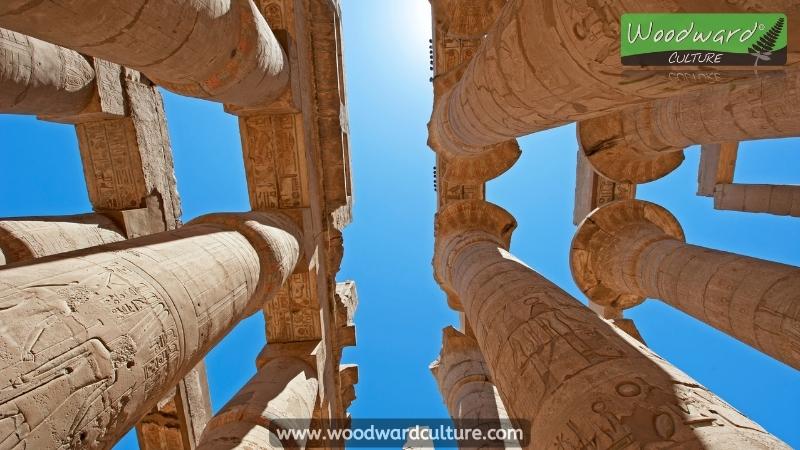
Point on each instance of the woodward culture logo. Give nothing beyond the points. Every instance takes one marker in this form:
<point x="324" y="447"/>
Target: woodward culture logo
<point x="748" y="39"/>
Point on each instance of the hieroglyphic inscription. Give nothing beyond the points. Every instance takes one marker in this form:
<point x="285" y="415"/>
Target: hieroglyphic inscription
<point x="273" y="161"/>
<point x="112" y="167"/>
<point x="293" y="315"/>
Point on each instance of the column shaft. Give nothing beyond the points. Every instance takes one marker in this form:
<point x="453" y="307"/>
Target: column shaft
<point x="635" y="250"/>
<point x="26" y="238"/>
<point x="578" y="381"/>
<point x="547" y="63"/>
<point x="235" y="59"/>
<point x="94" y="339"/>
<point x="37" y="77"/>
<point x="281" y="395"/>
<point x="781" y="200"/>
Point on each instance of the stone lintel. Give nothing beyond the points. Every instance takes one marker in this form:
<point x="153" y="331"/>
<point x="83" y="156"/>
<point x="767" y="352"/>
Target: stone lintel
<point x="593" y="190"/>
<point x="717" y="165"/>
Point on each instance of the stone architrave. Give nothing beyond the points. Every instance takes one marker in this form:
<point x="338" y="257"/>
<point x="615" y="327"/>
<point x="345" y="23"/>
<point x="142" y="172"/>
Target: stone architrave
<point x="577" y="381"/>
<point x="26" y="238"/>
<point x="37" y="77"/>
<point x="235" y="59"/>
<point x="548" y="63"/>
<point x="630" y="250"/>
<point x="646" y="142"/>
<point x="94" y="339"/>
<point x="593" y="190"/>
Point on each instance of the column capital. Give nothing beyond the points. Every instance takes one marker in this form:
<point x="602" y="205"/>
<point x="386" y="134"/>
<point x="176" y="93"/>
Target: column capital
<point x="468" y="165"/>
<point x="276" y="239"/>
<point x="607" y="145"/>
<point x="464" y="222"/>
<point x="305" y="351"/>
<point x="600" y="232"/>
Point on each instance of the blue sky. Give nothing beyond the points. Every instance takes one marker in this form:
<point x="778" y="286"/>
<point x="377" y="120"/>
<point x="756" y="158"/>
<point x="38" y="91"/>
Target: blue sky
<point x="389" y="246"/>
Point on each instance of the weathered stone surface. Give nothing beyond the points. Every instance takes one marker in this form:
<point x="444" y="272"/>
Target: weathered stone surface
<point x="627" y="251"/>
<point x="235" y="59"/>
<point x="281" y="395"/>
<point x="646" y="142"/>
<point x="459" y="27"/>
<point x="177" y="421"/>
<point x="717" y="164"/>
<point x="37" y="77"/>
<point x="781" y="200"/>
<point x="95" y="338"/>
<point x="548" y="63"/>
<point x="593" y="190"/>
<point x="557" y="364"/>
<point x="417" y="442"/>
<point x="26" y="238"/>
<point x="470" y="396"/>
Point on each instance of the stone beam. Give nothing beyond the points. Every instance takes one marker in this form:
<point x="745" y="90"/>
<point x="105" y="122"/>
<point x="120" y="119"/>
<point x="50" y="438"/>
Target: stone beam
<point x="297" y="161"/>
<point x="717" y="165"/>
<point x="593" y="190"/>
<point x="547" y="63"/>
<point x="96" y="337"/>
<point x="26" y="238"/>
<point x="630" y="250"/>
<point x="780" y="200"/>
<point x="236" y="59"/>
<point x="646" y="142"/>
<point x="570" y="374"/>
<point x="468" y="392"/>
<point x="37" y="77"/>
<point x="459" y="27"/>
<point x="280" y="396"/>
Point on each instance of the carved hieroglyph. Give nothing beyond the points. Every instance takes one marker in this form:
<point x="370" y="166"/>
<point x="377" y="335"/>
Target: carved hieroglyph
<point x="459" y="27"/>
<point x="547" y="63"/>
<point x="281" y="395"/>
<point x="26" y="238"/>
<point x="236" y="59"/>
<point x="94" y="339"/>
<point x="646" y="142"/>
<point x="467" y="390"/>
<point x="627" y="251"/>
<point x="37" y="77"/>
<point x="579" y="382"/>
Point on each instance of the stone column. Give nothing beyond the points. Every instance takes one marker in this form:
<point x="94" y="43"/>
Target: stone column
<point x="627" y="251"/>
<point x="37" y="77"/>
<point x="780" y="200"/>
<point x="646" y="142"/>
<point x="281" y="396"/>
<point x="576" y="380"/>
<point x="548" y="63"/>
<point x="94" y="339"/>
<point x="235" y="59"/>
<point x="471" y="398"/>
<point x="26" y="238"/>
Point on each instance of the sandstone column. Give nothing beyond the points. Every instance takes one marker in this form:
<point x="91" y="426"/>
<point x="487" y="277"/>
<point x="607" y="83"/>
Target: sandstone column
<point x="780" y="200"/>
<point x="37" y="77"/>
<point x="94" y="339"/>
<point x="26" y="238"/>
<point x="281" y="396"/>
<point x="578" y="381"/>
<point x="470" y="396"/>
<point x="235" y="59"/>
<point x="627" y="251"/>
<point x="548" y="63"/>
<point x="646" y="142"/>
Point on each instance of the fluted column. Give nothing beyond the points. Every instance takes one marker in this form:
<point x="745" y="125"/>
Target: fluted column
<point x="235" y="59"/>
<point x="37" y="77"/>
<point x="94" y="339"/>
<point x="630" y="250"/>
<point x="471" y="398"/>
<point x="26" y="238"/>
<point x="548" y="63"/>
<point x="646" y="142"/>
<point x="280" y="396"/>
<point x="575" y="379"/>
